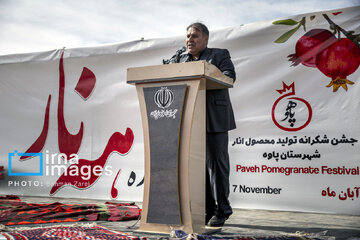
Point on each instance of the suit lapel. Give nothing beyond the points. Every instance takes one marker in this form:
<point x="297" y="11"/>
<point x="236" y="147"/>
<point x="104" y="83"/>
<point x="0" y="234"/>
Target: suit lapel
<point x="204" y="55"/>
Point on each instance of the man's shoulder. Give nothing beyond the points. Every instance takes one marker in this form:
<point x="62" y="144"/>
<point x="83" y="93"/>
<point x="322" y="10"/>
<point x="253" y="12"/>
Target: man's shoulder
<point x="218" y="51"/>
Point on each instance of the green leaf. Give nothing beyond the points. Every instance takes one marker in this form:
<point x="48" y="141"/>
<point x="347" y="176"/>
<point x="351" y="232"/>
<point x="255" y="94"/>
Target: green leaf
<point x="283" y="38"/>
<point x="285" y="22"/>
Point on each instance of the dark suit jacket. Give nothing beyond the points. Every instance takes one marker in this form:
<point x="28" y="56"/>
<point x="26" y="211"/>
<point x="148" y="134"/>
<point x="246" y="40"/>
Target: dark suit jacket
<point x="219" y="112"/>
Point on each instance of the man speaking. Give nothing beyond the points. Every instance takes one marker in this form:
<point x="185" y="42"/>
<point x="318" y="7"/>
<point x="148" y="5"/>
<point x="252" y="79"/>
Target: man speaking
<point x="219" y="120"/>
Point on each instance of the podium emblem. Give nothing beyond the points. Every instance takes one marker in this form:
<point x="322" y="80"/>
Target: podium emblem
<point x="164" y="97"/>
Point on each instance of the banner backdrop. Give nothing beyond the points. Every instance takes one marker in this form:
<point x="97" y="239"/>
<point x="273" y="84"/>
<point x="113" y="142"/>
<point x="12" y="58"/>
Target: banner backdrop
<point x="71" y="127"/>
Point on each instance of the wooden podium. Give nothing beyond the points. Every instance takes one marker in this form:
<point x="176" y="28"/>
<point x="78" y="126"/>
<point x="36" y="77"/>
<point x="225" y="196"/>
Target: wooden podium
<point x="173" y="109"/>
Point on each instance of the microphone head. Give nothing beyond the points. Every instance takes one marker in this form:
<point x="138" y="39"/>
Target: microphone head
<point x="181" y="50"/>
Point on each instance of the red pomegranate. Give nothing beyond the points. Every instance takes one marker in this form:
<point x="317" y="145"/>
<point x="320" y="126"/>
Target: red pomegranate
<point x="309" y="45"/>
<point x="339" y="61"/>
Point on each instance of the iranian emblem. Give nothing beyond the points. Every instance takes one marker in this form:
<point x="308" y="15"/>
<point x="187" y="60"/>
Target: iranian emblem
<point x="164" y="97"/>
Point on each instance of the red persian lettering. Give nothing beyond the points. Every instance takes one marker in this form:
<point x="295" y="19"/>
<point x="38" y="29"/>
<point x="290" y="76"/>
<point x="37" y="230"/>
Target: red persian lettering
<point x="68" y="143"/>
<point x="75" y="174"/>
<point x="114" y="191"/>
<point x="39" y="143"/>
<point x="86" y="83"/>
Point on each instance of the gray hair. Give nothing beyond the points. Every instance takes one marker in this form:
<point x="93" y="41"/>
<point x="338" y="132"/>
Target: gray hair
<point x="200" y="27"/>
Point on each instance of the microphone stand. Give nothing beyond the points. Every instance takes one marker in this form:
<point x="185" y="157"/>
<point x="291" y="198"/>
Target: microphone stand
<point x="176" y="57"/>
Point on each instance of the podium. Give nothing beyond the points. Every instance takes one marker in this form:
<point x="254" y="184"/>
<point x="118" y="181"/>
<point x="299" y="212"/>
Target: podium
<point x="173" y="109"/>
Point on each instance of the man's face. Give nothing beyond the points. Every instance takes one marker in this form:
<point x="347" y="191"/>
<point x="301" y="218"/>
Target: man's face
<point x="196" y="42"/>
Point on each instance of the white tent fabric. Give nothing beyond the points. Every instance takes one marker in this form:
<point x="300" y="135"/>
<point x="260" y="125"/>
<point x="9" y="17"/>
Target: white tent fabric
<point x="293" y="149"/>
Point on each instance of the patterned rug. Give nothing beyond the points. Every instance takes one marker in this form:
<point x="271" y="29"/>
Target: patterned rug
<point x="96" y="232"/>
<point x="15" y="212"/>
<point x="82" y="232"/>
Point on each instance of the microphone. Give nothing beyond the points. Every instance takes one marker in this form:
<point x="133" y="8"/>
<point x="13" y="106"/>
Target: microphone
<point x="176" y="57"/>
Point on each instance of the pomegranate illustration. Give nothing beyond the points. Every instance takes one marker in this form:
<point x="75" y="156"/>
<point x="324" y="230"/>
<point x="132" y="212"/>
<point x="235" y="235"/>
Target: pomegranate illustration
<point x="339" y="61"/>
<point x="334" y="56"/>
<point x="309" y="45"/>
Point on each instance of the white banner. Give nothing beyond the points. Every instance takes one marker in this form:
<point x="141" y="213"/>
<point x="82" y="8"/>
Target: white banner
<point x="296" y="145"/>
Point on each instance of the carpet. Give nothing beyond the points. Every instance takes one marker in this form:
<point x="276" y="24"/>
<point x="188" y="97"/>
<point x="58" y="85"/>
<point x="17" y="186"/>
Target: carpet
<point x="15" y="212"/>
<point x="81" y="232"/>
<point x="96" y="232"/>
